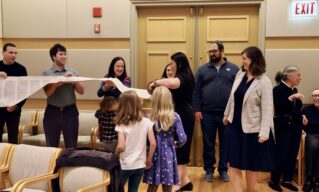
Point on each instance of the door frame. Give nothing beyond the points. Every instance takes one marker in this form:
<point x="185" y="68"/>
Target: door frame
<point x="172" y="3"/>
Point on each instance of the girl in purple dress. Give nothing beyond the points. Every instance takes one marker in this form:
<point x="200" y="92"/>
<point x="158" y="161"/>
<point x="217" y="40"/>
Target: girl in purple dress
<point x="166" y="124"/>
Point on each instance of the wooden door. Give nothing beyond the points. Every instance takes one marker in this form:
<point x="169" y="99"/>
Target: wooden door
<point x="165" y="30"/>
<point x="162" y="32"/>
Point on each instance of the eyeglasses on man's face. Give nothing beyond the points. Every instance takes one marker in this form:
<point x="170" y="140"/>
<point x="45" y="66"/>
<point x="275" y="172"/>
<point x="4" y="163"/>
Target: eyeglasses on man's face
<point x="315" y="95"/>
<point x="212" y="51"/>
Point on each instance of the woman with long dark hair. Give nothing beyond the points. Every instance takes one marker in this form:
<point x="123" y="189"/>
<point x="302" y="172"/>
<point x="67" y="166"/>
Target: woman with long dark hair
<point x="117" y="69"/>
<point x="181" y="87"/>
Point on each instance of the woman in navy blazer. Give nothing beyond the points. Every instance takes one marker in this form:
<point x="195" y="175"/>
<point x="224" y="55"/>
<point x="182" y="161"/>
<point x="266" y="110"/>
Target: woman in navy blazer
<point x="250" y="114"/>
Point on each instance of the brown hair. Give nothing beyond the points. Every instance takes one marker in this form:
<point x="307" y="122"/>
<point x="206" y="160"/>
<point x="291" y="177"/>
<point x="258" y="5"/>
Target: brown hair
<point x="258" y="63"/>
<point x="107" y="103"/>
<point x="129" y="109"/>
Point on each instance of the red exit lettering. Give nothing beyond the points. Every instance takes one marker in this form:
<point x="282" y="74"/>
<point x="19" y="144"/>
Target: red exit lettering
<point x="305" y="8"/>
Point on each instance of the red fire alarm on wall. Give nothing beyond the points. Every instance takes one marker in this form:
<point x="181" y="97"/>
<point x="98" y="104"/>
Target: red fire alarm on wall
<point x="97" y="11"/>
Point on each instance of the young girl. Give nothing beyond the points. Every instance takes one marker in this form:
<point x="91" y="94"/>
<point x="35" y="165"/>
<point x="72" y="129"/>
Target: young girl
<point x="105" y="115"/>
<point x="167" y="122"/>
<point x="133" y="131"/>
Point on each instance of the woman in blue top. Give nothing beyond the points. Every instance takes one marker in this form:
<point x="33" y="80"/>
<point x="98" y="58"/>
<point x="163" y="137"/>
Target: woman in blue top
<point x="117" y="69"/>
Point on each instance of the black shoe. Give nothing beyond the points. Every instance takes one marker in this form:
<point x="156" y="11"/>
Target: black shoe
<point x="187" y="187"/>
<point x="274" y="186"/>
<point x="307" y="186"/>
<point x="289" y="186"/>
<point x="316" y="187"/>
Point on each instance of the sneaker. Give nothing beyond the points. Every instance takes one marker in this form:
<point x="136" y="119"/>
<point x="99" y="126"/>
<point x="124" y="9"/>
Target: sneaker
<point x="289" y="186"/>
<point x="209" y="176"/>
<point x="274" y="186"/>
<point x="224" y="176"/>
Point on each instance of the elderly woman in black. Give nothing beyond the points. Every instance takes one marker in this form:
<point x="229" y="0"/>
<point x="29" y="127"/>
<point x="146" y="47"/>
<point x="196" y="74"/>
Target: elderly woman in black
<point x="288" y="124"/>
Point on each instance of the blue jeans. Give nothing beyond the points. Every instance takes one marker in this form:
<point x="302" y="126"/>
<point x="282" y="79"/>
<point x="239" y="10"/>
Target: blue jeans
<point x="134" y="178"/>
<point x="210" y="123"/>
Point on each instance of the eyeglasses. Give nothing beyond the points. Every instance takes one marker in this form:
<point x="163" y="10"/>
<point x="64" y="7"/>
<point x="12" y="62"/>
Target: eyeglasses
<point x="212" y="51"/>
<point x="315" y="96"/>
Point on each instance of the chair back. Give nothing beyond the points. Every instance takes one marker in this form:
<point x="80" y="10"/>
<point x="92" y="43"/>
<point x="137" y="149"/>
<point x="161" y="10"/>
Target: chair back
<point x="28" y="117"/>
<point x="72" y="178"/>
<point x="40" y="115"/>
<point x="4" y="152"/>
<point x="87" y="121"/>
<point x="29" y="161"/>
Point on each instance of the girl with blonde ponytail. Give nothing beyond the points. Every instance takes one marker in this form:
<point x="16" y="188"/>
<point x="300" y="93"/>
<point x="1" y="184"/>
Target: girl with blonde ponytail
<point x="166" y="124"/>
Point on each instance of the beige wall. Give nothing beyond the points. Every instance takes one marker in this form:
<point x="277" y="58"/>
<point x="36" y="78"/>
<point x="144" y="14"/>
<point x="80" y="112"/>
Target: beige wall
<point x="65" y="19"/>
<point x="1" y="23"/>
<point x="87" y="62"/>
<point x="74" y="30"/>
<point x="292" y="41"/>
<point x="35" y="25"/>
<point x="281" y="23"/>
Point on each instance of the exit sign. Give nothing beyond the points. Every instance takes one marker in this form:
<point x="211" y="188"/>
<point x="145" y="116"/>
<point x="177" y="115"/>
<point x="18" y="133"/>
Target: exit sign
<point x="304" y="8"/>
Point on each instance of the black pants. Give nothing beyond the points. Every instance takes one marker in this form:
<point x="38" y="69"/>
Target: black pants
<point x="312" y="155"/>
<point x="12" y="120"/>
<point x="286" y="151"/>
<point x="61" y="119"/>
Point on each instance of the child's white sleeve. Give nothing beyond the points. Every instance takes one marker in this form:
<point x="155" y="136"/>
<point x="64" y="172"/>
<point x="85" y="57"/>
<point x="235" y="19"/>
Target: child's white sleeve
<point x="119" y="129"/>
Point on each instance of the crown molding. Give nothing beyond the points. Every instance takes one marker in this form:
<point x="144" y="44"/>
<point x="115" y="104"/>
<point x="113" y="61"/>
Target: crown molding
<point x="190" y="2"/>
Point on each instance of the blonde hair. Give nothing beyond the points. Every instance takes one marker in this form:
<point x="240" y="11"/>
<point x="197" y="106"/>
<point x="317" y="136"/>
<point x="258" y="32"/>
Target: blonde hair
<point x="129" y="108"/>
<point x="162" y="111"/>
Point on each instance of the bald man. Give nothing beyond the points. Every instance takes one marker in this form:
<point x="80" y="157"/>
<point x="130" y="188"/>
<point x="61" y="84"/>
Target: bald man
<point x="311" y="127"/>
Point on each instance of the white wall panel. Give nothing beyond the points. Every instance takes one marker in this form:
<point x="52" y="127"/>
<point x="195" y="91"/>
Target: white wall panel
<point x="115" y="20"/>
<point x="65" y="19"/>
<point x="88" y="63"/>
<point x="94" y="63"/>
<point x="34" y="18"/>
<point x="306" y="59"/>
<point x="280" y="23"/>
<point x="1" y="20"/>
<point x="36" y="61"/>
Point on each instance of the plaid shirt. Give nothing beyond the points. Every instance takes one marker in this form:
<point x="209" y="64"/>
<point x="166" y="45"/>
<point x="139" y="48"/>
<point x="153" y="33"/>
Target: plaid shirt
<point x="106" y="126"/>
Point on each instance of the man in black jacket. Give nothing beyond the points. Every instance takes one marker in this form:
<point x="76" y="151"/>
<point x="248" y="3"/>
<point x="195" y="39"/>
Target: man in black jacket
<point x="213" y="83"/>
<point x="10" y="115"/>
